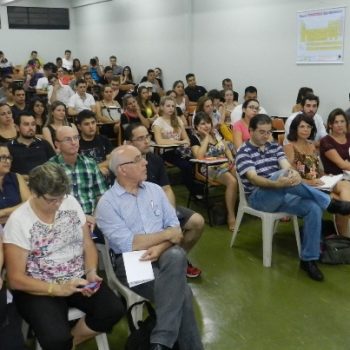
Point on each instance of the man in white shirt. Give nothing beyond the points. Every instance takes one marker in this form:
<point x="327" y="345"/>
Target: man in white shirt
<point x="58" y="91"/>
<point x="43" y="83"/>
<point x="250" y="92"/>
<point x="81" y="99"/>
<point x="67" y="61"/>
<point x="309" y="106"/>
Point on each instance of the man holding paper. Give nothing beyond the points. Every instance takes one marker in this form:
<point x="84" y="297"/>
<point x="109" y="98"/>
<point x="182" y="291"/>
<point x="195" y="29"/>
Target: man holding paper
<point x="136" y="215"/>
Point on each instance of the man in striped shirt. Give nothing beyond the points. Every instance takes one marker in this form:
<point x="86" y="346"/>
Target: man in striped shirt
<point x="271" y="185"/>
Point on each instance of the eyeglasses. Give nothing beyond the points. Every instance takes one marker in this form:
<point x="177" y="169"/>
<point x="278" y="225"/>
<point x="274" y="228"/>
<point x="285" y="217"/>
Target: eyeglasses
<point x="143" y="138"/>
<point x="70" y="139"/>
<point x="255" y="108"/>
<point x="5" y="159"/>
<point x="135" y="161"/>
<point x="54" y="200"/>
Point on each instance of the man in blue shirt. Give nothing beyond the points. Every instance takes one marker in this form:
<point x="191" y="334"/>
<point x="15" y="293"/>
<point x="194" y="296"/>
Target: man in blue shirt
<point x="136" y="215"/>
<point x="272" y="185"/>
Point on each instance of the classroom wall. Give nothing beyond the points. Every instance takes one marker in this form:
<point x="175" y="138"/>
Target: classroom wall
<point x="251" y="41"/>
<point x="18" y="43"/>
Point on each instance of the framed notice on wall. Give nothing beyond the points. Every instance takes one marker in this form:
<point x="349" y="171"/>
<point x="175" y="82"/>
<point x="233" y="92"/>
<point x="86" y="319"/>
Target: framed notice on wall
<point x="320" y="36"/>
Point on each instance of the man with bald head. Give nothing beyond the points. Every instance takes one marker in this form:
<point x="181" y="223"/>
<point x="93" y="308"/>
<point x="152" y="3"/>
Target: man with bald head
<point x="88" y="183"/>
<point x="136" y="215"/>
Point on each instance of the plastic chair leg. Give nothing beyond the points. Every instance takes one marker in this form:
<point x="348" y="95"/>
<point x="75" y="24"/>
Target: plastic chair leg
<point x="267" y="233"/>
<point x="239" y="217"/>
<point x="297" y="233"/>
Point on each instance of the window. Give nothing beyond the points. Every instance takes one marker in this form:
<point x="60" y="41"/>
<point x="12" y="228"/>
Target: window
<point x="37" y="17"/>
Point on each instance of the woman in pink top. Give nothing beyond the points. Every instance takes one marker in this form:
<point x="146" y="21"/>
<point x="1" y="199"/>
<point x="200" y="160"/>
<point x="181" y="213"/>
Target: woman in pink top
<point x="240" y="129"/>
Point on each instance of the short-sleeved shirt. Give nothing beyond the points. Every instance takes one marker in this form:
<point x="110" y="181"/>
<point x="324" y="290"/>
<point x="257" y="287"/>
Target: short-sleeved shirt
<point x="79" y="104"/>
<point x="195" y="93"/>
<point x="328" y="143"/>
<point x="241" y="127"/>
<point x="55" y="251"/>
<point x="25" y="158"/>
<point x="265" y="163"/>
<point x="121" y="215"/>
<point x="167" y="131"/>
<point x="87" y="181"/>
<point x="97" y="149"/>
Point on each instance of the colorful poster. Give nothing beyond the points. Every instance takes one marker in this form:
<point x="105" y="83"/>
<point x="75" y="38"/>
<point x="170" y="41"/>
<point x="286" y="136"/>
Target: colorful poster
<point x="320" y="36"/>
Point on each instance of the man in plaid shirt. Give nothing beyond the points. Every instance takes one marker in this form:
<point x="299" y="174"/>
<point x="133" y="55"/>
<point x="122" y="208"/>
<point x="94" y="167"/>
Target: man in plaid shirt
<point x="88" y="184"/>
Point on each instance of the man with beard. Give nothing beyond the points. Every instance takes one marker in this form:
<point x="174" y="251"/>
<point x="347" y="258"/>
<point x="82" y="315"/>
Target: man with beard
<point x="27" y="150"/>
<point x="309" y="106"/>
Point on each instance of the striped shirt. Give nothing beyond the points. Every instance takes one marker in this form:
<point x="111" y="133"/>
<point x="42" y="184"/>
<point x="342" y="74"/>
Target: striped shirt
<point x="264" y="162"/>
<point x="88" y="183"/>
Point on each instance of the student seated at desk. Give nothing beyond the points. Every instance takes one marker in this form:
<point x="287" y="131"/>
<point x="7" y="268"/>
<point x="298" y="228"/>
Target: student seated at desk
<point x="207" y="142"/>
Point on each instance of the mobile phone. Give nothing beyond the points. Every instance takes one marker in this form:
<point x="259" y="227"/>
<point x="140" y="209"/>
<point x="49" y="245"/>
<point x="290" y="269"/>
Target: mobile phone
<point x="91" y="285"/>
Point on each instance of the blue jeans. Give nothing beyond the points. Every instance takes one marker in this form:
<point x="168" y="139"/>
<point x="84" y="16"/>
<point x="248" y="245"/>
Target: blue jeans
<point x="301" y="200"/>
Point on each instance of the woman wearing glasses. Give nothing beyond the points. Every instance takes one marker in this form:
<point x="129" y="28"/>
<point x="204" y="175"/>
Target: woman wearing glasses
<point x="57" y="118"/>
<point x="13" y="189"/>
<point x="240" y="129"/>
<point x="51" y="265"/>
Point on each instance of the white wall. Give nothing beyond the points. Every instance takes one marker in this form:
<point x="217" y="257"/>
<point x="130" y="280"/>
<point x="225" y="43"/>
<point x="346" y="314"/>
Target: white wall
<point x="18" y="43"/>
<point x="254" y="42"/>
<point x="251" y="41"/>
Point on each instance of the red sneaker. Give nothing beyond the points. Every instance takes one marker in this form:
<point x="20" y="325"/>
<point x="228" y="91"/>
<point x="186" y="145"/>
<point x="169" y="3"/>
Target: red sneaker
<point x="192" y="272"/>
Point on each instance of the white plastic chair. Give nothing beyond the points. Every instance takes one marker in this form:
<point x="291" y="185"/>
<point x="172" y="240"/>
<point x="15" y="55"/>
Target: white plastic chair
<point x="269" y="224"/>
<point x="114" y="283"/>
<point x="74" y="314"/>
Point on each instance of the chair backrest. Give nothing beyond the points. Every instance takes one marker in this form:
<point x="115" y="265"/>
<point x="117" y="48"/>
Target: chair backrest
<point x="278" y="124"/>
<point x="242" y="197"/>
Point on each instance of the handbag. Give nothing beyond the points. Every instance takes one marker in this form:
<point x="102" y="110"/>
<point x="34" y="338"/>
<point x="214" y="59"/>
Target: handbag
<point x="139" y="338"/>
<point x="335" y="250"/>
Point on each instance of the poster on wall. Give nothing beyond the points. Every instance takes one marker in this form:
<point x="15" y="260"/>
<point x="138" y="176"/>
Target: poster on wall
<point x="320" y="36"/>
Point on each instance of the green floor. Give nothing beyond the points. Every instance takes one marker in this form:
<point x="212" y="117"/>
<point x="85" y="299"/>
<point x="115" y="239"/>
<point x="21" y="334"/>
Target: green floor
<point x="242" y="305"/>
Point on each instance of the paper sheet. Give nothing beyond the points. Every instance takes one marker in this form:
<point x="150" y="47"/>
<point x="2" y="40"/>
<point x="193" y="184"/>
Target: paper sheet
<point x="329" y="181"/>
<point x="137" y="272"/>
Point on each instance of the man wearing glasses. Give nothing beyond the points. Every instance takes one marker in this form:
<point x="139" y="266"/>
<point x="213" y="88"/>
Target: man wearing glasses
<point x="88" y="183"/>
<point x="136" y="215"/>
<point x="271" y="185"/>
<point x="192" y="223"/>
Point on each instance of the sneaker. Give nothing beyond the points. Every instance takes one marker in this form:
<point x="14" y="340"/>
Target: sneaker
<point x="192" y="272"/>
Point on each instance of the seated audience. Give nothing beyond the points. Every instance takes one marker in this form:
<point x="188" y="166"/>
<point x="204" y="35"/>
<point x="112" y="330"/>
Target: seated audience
<point x="88" y="184"/>
<point x="57" y="117"/>
<point x="127" y="83"/>
<point x="19" y="98"/>
<point x="108" y="112"/>
<point x="31" y="79"/>
<point x="13" y="188"/>
<point x="205" y="104"/>
<point x="207" y="142"/>
<point x="91" y="144"/>
<point x="51" y="259"/>
<point x="157" y="90"/>
<point x="63" y="76"/>
<point x="27" y="150"/>
<point x="240" y="129"/>
<point x="37" y="108"/>
<point x="107" y="76"/>
<point x="334" y="151"/>
<point x="271" y="185"/>
<point x="192" y="90"/>
<point x="5" y="89"/>
<point x="76" y="64"/>
<point x="8" y="130"/>
<point x="57" y="91"/>
<point x="132" y="113"/>
<point x="77" y="74"/>
<point x="67" y="62"/>
<point x="116" y="70"/>
<point x="147" y="108"/>
<point x="117" y="93"/>
<point x="81" y="100"/>
<point x="250" y="92"/>
<point x="309" y="105"/>
<point x="179" y="112"/>
<point x="157" y="231"/>
<point x="181" y="98"/>
<point x="191" y="223"/>
<point x="303" y="91"/>
<point x="95" y="69"/>
<point x="159" y="76"/>
<point x="227" y="85"/>
<point x="42" y="84"/>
